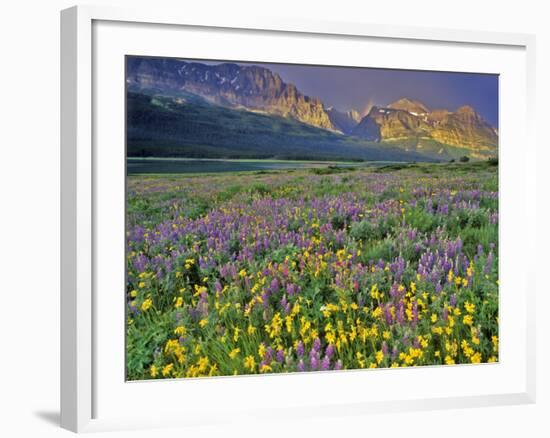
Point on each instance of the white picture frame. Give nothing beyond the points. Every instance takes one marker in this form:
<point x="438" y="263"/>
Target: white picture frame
<point x="82" y="368"/>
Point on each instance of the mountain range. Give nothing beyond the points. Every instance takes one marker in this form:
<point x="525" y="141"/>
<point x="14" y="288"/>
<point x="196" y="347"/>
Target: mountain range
<point x="178" y="108"/>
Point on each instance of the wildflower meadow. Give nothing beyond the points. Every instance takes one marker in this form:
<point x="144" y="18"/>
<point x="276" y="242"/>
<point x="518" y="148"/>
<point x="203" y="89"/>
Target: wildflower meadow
<point x="313" y="269"/>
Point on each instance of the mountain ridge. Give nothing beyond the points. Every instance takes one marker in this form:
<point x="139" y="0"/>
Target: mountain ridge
<point x="406" y="119"/>
<point x="253" y="87"/>
<point x="405" y="123"/>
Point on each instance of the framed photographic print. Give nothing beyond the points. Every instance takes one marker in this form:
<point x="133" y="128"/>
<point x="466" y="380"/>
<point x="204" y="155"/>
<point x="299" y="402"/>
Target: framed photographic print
<point x="321" y="212"/>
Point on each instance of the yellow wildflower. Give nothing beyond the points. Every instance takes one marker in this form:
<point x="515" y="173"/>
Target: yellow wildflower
<point x="261" y="350"/>
<point x="468" y="320"/>
<point x="374" y="292"/>
<point x="199" y="290"/>
<point x="423" y="342"/>
<point x="203" y="364"/>
<point x="476" y="358"/>
<point x="494" y="340"/>
<point x="147" y="304"/>
<point x="451" y="321"/>
<point x="265" y="369"/>
<point x="249" y="363"/>
<point x="167" y="369"/>
<point x="213" y="370"/>
<point x="180" y="330"/>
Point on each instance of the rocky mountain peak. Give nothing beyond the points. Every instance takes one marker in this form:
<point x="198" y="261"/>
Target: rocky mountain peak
<point x="411" y="106"/>
<point x="465" y="109"/>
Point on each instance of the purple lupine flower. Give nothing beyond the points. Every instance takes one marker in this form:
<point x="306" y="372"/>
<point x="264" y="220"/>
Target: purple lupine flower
<point x="414" y="313"/>
<point x="388" y="315"/>
<point x="325" y="364"/>
<point x="314" y="363"/>
<point x="394" y="353"/>
<point x="274" y="286"/>
<point x="453" y="300"/>
<point x="400" y="312"/>
<point x="300" y="349"/>
<point x="385" y="348"/>
<point x="329" y="351"/>
<point x="280" y="356"/>
<point x="394" y="290"/>
<point x="265" y="299"/>
<point x="301" y="366"/>
<point x="291" y="289"/>
<point x="479" y="249"/>
<point x="488" y="263"/>
<point x="317" y="344"/>
<point x="338" y="365"/>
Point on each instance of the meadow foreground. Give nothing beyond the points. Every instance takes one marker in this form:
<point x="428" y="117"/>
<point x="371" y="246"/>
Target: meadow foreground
<point x="311" y="270"/>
